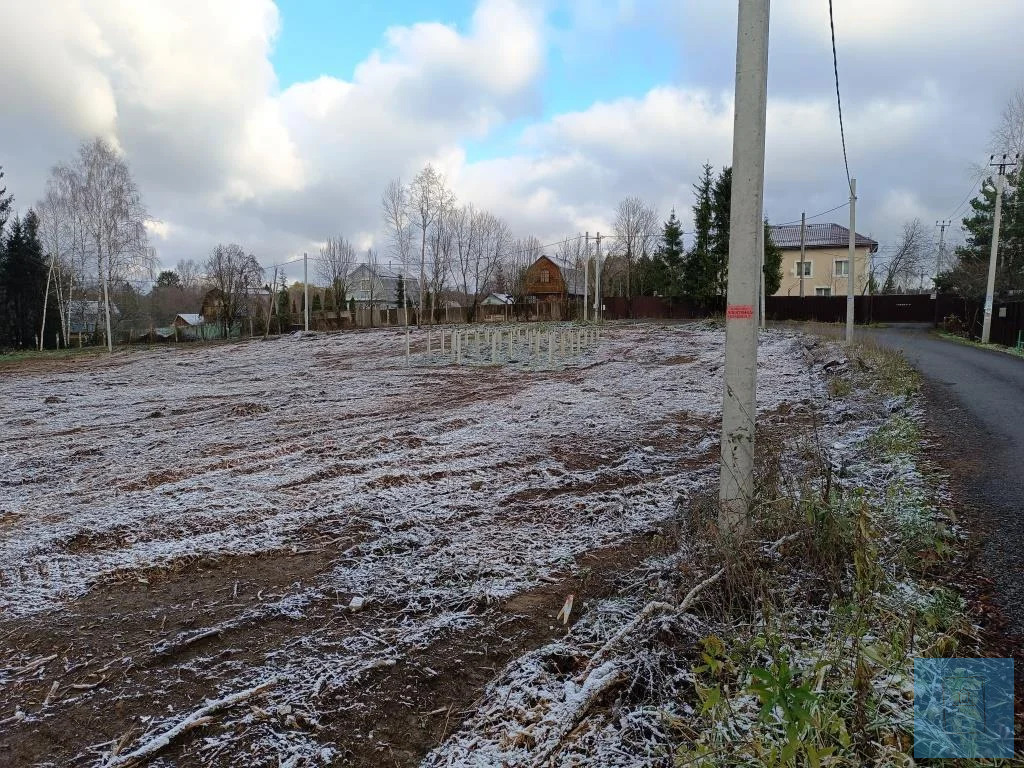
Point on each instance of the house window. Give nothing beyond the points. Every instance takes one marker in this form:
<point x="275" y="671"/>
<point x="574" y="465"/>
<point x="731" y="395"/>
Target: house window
<point x="842" y="268"/>
<point x="806" y="268"/>
<point x="822" y="291"/>
<point x="545" y="276"/>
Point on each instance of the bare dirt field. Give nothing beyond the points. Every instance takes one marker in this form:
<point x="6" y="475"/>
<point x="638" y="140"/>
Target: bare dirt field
<point x="337" y="550"/>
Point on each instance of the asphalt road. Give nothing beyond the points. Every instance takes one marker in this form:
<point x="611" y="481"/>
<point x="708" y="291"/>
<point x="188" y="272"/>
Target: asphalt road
<point x="976" y="399"/>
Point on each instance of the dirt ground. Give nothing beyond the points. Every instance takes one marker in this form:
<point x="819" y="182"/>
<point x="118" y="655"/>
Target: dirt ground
<point x="367" y="542"/>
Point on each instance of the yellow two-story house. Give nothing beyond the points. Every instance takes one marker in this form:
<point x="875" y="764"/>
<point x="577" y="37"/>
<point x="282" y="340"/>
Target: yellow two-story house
<point x="826" y="266"/>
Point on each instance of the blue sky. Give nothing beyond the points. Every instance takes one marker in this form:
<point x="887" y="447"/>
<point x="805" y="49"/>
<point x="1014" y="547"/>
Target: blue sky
<point x="602" y="61"/>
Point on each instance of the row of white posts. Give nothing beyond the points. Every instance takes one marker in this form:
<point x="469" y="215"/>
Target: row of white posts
<point x="507" y="344"/>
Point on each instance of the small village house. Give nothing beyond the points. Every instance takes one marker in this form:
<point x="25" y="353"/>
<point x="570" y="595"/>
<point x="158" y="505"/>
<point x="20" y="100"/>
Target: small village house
<point x="827" y="263"/>
<point x="192" y="326"/>
<point x="86" y="318"/>
<point x="553" y="291"/>
<point x="497" y="307"/>
<point x="378" y="285"/>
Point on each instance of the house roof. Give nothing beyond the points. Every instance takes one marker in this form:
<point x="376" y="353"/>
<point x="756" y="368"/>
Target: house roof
<point x="191" y="318"/>
<point x="573" y="277"/>
<point x="89" y="307"/>
<point x="787" y="236"/>
<point x="498" y="298"/>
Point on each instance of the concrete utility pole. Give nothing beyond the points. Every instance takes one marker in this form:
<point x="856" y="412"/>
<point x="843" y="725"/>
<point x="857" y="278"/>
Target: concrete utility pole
<point x="305" y="289"/>
<point x="586" y="274"/>
<point x="760" y="290"/>
<point x="598" y="295"/>
<point x="803" y="251"/>
<point x="851" y="268"/>
<point x="739" y="397"/>
<point x="938" y="259"/>
<point x="990" y="289"/>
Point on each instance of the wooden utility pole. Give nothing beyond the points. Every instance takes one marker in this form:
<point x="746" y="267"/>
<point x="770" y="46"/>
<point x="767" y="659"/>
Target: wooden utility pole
<point x="598" y="295"/>
<point x="739" y="400"/>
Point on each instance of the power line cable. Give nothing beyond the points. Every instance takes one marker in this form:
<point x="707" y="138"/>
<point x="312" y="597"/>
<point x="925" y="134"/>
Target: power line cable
<point x="797" y="221"/>
<point x="839" y="100"/>
<point x="970" y="193"/>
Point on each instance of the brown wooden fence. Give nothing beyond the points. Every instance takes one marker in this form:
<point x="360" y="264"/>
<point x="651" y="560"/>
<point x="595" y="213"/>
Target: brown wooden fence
<point x="1007" y="317"/>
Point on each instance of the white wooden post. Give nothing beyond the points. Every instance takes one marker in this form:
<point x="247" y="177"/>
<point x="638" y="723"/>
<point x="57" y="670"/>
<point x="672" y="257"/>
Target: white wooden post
<point x="551" y="348"/>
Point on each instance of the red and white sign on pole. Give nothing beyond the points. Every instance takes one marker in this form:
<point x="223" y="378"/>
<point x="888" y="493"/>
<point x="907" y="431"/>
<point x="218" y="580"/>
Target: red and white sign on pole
<point x="739" y="312"/>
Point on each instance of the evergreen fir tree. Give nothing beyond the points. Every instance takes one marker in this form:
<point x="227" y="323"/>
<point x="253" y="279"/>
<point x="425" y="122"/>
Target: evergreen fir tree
<point x="718" y="241"/>
<point x="400" y="291"/>
<point x="6" y="201"/>
<point x="317" y="304"/>
<point x="697" y="272"/>
<point x="669" y="261"/>
<point x="22" y="283"/>
<point x="772" y="262"/>
<point x="969" y="275"/>
<point x="645" y="278"/>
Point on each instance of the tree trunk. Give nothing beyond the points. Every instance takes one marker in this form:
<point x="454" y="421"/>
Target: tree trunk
<point x="46" y="299"/>
<point x="423" y="274"/>
<point x="105" y="277"/>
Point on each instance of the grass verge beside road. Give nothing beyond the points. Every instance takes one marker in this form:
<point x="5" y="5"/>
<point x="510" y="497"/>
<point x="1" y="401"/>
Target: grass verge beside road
<point x="971" y="343"/>
<point x="793" y="646"/>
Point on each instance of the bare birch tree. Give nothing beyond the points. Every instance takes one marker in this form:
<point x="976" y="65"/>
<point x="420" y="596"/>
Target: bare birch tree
<point x="1008" y="137"/>
<point x="335" y="264"/>
<point x="190" y="273"/>
<point x="480" y="241"/>
<point x="373" y="269"/>
<point x="897" y="272"/>
<point x="54" y="235"/>
<point x="236" y="275"/>
<point x="64" y="236"/>
<point x="395" y="205"/>
<point x="425" y="196"/>
<point x="442" y="239"/>
<point x="114" y="217"/>
<point x="635" y="225"/>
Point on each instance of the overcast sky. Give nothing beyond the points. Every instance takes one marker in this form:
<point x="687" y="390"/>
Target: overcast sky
<point x="278" y="125"/>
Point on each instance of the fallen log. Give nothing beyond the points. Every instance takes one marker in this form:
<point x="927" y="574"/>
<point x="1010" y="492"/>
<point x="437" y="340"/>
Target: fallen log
<point x="199" y="717"/>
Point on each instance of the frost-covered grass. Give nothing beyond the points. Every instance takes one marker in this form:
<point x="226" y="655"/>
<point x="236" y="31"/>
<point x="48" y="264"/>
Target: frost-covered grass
<point x="801" y="653"/>
<point x="437" y="489"/>
<point x="235" y="449"/>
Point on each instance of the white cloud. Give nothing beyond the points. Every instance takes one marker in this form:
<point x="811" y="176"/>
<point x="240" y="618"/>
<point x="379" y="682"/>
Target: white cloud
<point x="187" y="89"/>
